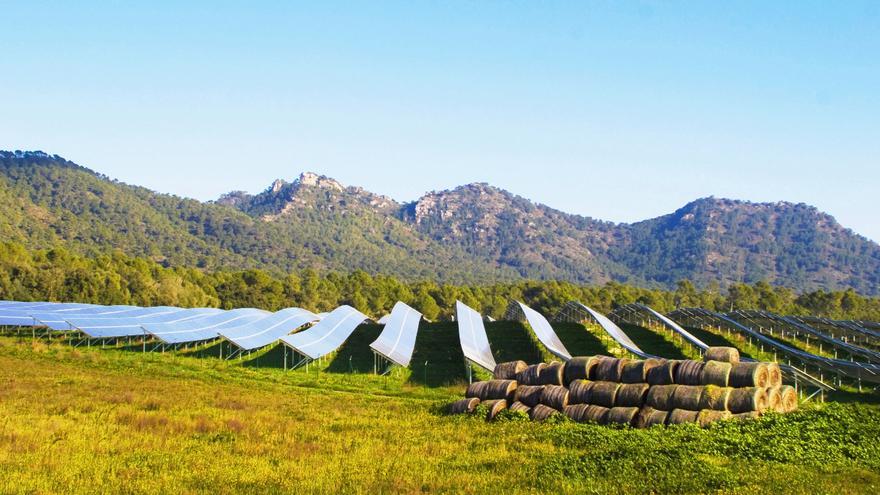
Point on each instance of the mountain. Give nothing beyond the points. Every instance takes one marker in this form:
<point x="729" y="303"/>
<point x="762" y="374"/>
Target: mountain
<point x="474" y="233"/>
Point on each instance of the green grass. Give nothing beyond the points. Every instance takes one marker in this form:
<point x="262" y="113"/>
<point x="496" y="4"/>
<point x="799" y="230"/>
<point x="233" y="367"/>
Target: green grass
<point x="660" y="343"/>
<point x="110" y="421"/>
<point x="581" y="340"/>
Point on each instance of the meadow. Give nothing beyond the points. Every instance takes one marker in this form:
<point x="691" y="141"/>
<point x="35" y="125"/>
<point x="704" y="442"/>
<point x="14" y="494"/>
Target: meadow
<point x="90" y="420"/>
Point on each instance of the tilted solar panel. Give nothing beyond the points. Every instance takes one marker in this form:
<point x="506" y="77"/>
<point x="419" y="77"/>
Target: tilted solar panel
<point x="203" y="328"/>
<point x="398" y="339"/>
<point x="268" y="330"/>
<point x="473" y="338"/>
<point x="330" y="333"/>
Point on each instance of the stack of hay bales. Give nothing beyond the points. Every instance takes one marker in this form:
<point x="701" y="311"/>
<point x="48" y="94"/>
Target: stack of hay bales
<point x="639" y="393"/>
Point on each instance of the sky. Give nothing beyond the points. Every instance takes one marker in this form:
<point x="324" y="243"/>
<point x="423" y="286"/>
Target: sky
<point x="620" y="111"/>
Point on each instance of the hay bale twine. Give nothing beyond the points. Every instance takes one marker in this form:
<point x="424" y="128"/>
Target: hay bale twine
<point x="660" y="397"/>
<point x="680" y="416"/>
<point x="530" y="375"/>
<point x="609" y="369"/>
<point x="715" y="398"/>
<point x="552" y="374"/>
<point x="663" y="373"/>
<point x="708" y="416"/>
<point x="687" y="397"/>
<point x="723" y="354"/>
<point x="649" y="417"/>
<point x="788" y="398"/>
<point x="631" y="395"/>
<point x="464" y="406"/>
<point x="689" y="373"/>
<point x="622" y="415"/>
<point x="530" y="395"/>
<point x="494" y="407"/>
<point x="519" y="407"/>
<point x="541" y="412"/>
<point x="555" y="396"/>
<point x="749" y="375"/>
<point x="492" y="390"/>
<point x="579" y="368"/>
<point x="747" y="399"/>
<point x="579" y="391"/>
<point x="716" y="373"/>
<point x="747" y="415"/>
<point x="508" y="370"/>
<point x="774" y="375"/>
<point x="595" y="414"/>
<point x="575" y="412"/>
<point x="603" y="393"/>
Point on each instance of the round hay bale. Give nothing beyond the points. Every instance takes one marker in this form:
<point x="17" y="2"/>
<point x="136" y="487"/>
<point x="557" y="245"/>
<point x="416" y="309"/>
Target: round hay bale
<point x="622" y="415"/>
<point x="575" y="412"/>
<point x="609" y="369"/>
<point x="541" y="412"/>
<point x="494" y="407"/>
<point x="774" y="375"/>
<point x="663" y="373"/>
<point x="774" y="399"/>
<point x="493" y="389"/>
<point x="464" y="406"/>
<point x="519" y="407"/>
<point x="747" y="415"/>
<point x="687" y="397"/>
<point x="707" y="417"/>
<point x="715" y="398"/>
<point x="530" y="395"/>
<point x="749" y="375"/>
<point x="649" y="417"/>
<point x="689" y="373"/>
<point x="579" y="391"/>
<point x="747" y="399"/>
<point x="603" y="393"/>
<point x="579" y="368"/>
<point x="552" y="374"/>
<point x="595" y="414"/>
<point x="509" y="370"/>
<point x="555" y="396"/>
<point x="530" y="375"/>
<point x="660" y="397"/>
<point x="723" y="354"/>
<point x="680" y="416"/>
<point x="716" y="373"/>
<point x="788" y="398"/>
<point x="637" y="371"/>
<point x="631" y="395"/>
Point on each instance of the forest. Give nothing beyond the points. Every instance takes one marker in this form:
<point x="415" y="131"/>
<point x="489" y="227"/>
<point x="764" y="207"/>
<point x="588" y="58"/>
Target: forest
<point x="60" y="275"/>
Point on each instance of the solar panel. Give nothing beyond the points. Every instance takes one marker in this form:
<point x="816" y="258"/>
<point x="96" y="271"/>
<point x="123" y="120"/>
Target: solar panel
<point x="545" y="332"/>
<point x="132" y="326"/>
<point x="203" y="328"/>
<point x="268" y="330"/>
<point x="398" y="339"/>
<point x="473" y="338"/>
<point x="330" y="333"/>
<point x="59" y="320"/>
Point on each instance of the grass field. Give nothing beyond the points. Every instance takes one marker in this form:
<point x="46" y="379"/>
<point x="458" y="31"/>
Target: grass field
<point x="92" y="420"/>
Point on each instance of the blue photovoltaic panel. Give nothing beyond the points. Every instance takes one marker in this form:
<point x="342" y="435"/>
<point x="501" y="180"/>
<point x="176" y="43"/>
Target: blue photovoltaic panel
<point x="203" y="328"/>
<point x="398" y="339"/>
<point x="132" y="326"/>
<point x="268" y="330"/>
<point x="545" y="332"/>
<point x="59" y="320"/>
<point x="330" y="333"/>
<point x="473" y="338"/>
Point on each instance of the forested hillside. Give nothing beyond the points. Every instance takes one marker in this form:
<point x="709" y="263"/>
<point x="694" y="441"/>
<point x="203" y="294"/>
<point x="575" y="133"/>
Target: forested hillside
<point x="472" y="234"/>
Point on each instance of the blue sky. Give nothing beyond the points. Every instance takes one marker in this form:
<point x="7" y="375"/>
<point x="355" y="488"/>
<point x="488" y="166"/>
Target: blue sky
<point x="617" y="110"/>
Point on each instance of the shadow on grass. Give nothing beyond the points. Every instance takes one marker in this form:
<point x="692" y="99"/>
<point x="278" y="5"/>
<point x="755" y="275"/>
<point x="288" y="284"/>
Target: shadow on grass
<point x="716" y="340"/>
<point x="579" y="340"/>
<point x="355" y="355"/>
<point x="437" y="345"/>
<point x="652" y="342"/>
<point x="512" y="340"/>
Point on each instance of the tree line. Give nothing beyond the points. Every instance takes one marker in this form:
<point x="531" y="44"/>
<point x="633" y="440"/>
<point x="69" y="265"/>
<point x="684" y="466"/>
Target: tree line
<point x="60" y="275"/>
